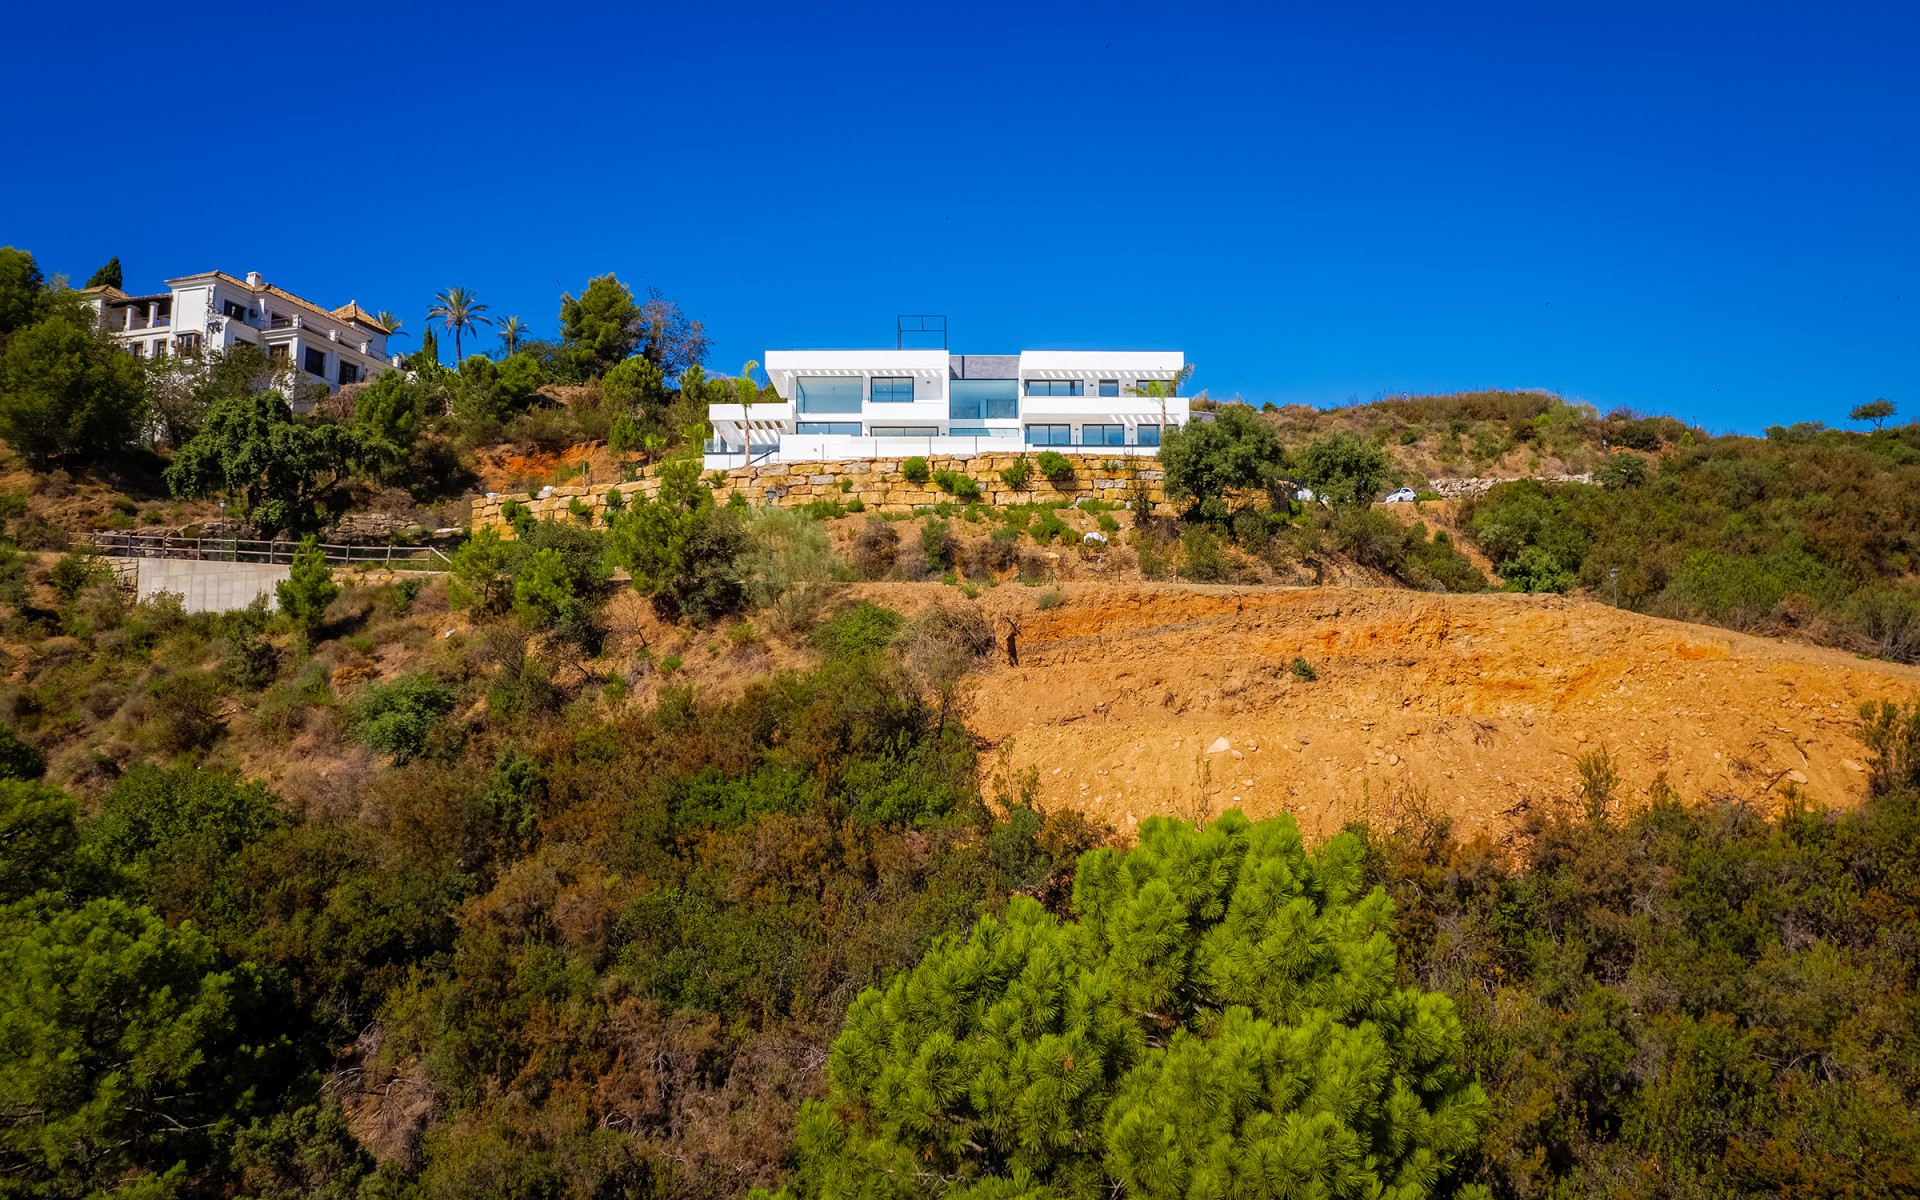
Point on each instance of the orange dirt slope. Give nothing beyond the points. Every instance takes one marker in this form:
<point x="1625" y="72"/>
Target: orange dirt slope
<point x="1476" y="705"/>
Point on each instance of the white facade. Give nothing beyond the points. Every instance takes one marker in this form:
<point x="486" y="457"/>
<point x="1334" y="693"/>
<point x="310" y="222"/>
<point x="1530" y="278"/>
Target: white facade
<point x="216" y="311"/>
<point x="851" y="404"/>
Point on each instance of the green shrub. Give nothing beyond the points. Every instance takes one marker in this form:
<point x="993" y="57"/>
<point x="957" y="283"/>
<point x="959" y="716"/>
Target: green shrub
<point x="1055" y="466"/>
<point x="1303" y="669"/>
<point x="958" y="484"/>
<point x="1051" y="598"/>
<point x="1107" y="524"/>
<point x="937" y="540"/>
<point x="863" y="628"/>
<point x="1049" y="527"/>
<point x="395" y="718"/>
<point x="186" y="710"/>
<point x="1201" y="557"/>
<point x="19" y="759"/>
<point x="915" y="470"/>
<point x="1019" y="475"/>
<point x="1535" y="570"/>
<point x="76" y="571"/>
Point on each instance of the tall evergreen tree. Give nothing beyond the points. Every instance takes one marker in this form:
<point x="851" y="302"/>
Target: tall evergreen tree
<point x="107" y="276"/>
<point x="1222" y="1021"/>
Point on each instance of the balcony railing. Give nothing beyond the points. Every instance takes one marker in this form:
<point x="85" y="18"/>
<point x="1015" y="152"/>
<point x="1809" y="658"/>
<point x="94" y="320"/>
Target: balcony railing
<point x="809" y="447"/>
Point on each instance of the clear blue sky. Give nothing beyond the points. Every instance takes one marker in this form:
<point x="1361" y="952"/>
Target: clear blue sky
<point x="1704" y="211"/>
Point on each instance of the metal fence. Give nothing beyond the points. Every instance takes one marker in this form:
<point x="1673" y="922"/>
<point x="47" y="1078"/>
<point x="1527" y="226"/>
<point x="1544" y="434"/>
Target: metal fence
<point x="243" y="550"/>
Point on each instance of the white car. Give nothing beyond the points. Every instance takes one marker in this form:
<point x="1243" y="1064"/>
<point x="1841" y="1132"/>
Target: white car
<point x="1401" y="496"/>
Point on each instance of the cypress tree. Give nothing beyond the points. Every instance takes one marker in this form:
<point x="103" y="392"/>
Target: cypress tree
<point x="108" y="276"/>
<point x="1221" y="1020"/>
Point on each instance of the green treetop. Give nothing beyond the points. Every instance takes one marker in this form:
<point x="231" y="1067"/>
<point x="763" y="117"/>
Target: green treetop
<point x="107" y="276"/>
<point x="1222" y="1021"/>
<point x="604" y="323"/>
<point x="309" y="587"/>
<point x="1205" y="460"/>
<point x="1345" y="469"/>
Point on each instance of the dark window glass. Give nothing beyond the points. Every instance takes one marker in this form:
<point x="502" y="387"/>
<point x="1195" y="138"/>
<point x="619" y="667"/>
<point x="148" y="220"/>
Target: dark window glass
<point x="1103" y="435"/>
<point x="849" y="428"/>
<point x="316" y="363"/>
<point x="830" y="394"/>
<point x="1147" y="435"/>
<point x="279" y="351"/>
<point x="1109" y="387"/>
<point x="1049" y="435"/>
<point x="236" y="311"/>
<point x="1056" y="387"/>
<point x="349" y="373"/>
<point x="892" y="390"/>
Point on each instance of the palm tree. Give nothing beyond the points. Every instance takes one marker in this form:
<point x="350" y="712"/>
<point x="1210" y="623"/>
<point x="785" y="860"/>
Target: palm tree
<point x="511" y="331"/>
<point x="391" y="324"/>
<point x="457" y="311"/>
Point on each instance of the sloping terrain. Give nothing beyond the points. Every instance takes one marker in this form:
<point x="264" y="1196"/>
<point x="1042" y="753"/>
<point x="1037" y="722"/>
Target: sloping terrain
<point x="1477" y="706"/>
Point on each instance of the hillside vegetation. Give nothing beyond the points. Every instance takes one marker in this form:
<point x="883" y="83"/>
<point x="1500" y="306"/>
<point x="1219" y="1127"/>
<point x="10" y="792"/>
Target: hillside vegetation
<point x="685" y="850"/>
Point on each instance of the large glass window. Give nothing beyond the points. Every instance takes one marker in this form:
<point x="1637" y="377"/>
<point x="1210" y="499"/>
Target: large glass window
<point x="1147" y="435"/>
<point x="892" y="390"/>
<point x="1056" y="387"/>
<point x="905" y="431"/>
<point x="1049" y="435"/>
<point x="1103" y="435"/>
<point x="983" y="399"/>
<point x="830" y="393"/>
<point x="315" y="361"/>
<point x="349" y="373"/>
<point x="849" y="428"/>
<point x="1109" y="387"/>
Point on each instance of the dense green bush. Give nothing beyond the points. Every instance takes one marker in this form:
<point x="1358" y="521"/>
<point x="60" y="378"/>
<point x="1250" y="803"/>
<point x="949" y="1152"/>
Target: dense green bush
<point x="1740" y="531"/>
<point x="1668" y="997"/>
<point x="1055" y="466"/>
<point x="395" y="718"/>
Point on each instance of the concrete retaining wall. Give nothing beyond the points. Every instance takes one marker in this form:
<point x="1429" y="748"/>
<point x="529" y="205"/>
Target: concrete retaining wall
<point x="210" y="586"/>
<point x="878" y="485"/>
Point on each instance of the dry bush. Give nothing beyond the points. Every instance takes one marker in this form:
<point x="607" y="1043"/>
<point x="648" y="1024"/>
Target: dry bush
<point x="875" y="548"/>
<point x="941" y="644"/>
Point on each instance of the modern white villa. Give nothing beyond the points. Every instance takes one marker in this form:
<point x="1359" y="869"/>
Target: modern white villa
<point x="852" y="404"/>
<point x="216" y="311"/>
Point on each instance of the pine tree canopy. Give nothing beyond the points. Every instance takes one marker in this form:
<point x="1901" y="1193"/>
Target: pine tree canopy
<point x="1220" y="1022"/>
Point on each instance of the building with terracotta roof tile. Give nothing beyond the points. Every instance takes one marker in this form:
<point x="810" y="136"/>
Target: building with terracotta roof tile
<point x="215" y="311"/>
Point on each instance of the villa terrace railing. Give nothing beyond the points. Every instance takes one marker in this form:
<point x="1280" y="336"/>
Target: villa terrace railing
<point x="827" y="448"/>
<point x="244" y="550"/>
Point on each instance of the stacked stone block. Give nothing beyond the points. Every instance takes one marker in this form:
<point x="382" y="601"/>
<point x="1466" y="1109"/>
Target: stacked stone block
<point x="877" y="484"/>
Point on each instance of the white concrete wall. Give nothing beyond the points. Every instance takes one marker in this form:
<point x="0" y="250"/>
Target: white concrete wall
<point x="212" y="586"/>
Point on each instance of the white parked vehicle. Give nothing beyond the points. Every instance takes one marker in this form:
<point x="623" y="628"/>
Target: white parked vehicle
<point x="1401" y="496"/>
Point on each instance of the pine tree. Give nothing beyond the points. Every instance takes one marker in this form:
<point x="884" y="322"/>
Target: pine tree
<point x="108" y="276"/>
<point x="309" y="587"/>
<point x="1221" y="1021"/>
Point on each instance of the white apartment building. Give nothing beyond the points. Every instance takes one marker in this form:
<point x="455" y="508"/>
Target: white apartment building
<point x="216" y="311"/>
<point x="851" y="404"/>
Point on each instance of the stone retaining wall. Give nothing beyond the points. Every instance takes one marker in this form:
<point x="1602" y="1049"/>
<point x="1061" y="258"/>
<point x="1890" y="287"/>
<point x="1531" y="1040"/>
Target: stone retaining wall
<point x="1455" y="489"/>
<point x="877" y="484"/>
